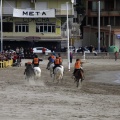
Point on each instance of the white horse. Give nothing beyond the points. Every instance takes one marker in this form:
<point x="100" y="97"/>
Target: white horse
<point x="51" y="69"/>
<point x="37" y="72"/>
<point x="58" y="73"/>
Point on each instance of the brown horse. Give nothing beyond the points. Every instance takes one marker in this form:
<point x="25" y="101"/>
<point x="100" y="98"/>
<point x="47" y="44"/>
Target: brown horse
<point x="78" y="76"/>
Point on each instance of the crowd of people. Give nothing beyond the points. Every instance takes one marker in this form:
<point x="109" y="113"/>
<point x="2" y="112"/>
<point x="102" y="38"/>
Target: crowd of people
<point x="16" y="55"/>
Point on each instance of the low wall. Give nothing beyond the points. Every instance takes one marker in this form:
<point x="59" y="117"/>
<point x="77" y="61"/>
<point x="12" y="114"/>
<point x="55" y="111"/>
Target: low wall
<point x="64" y="55"/>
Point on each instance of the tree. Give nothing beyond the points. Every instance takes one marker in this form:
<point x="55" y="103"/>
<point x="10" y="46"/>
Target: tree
<point x="80" y="7"/>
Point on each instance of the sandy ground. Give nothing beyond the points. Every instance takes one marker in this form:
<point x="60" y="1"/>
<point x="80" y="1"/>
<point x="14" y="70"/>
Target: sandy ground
<point x="97" y="99"/>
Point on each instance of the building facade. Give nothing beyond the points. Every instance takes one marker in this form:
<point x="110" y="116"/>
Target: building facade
<point x="34" y="22"/>
<point x="109" y="23"/>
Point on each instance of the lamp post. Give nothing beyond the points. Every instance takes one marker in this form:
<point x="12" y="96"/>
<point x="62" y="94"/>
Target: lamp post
<point x="98" y="26"/>
<point x="68" y="39"/>
<point x="1" y="30"/>
<point x="89" y="33"/>
<point x="109" y="34"/>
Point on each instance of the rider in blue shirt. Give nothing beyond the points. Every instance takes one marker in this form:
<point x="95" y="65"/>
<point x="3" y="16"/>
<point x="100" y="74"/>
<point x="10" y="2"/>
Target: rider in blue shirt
<point x="51" y="59"/>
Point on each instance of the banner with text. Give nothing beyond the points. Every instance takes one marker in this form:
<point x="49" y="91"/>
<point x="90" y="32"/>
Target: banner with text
<point x="24" y="13"/>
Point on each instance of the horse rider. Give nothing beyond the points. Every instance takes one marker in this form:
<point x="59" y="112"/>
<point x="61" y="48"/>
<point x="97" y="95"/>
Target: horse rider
<point x="51" y="59"/>
<point x="60" y="58"/>
<point x="36" y="61"/>
<point x="77" y="66"/>
<point x="57" y="63"/>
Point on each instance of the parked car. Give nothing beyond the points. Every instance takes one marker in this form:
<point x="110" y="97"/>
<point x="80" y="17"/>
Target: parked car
<point x="82" y="49"/>
<point x="86" y="50"/>
<point x="72" y="48"/>
<point x="39" y="50"/>
<point x="10" y="51"/>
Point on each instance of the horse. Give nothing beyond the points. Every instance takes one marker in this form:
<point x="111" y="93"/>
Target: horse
<point x="78" y="77"/>
<point x="32" y="72"/>
<point x="37" y="72"/>
<point x="58" y="73"/>
<point x="51" y="69"/>
<point x="29" y="71"/>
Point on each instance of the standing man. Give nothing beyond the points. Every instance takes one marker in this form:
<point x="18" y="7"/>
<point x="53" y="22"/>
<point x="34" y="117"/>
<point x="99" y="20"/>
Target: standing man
<point x="43" y="50"/>
<point x="71" y="57"/>
<point x="116" y="55"/>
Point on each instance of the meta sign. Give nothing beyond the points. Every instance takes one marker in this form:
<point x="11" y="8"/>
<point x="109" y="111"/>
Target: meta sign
<point x="34" y="13"/>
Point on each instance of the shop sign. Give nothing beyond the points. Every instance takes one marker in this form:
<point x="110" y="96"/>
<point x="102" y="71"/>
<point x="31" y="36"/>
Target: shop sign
<point x="23" y="13"/>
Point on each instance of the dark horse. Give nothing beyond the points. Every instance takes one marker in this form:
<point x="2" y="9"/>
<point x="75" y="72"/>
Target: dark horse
<point x="78" y="76"/>
<point x="29" y="71"/>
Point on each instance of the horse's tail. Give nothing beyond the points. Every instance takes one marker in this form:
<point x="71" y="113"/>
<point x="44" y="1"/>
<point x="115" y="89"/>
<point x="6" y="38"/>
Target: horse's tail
<point x="37" y="71"/>
<point x="59" y="73"/>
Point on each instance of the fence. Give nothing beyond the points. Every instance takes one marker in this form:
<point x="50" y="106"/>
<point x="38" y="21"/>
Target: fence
<point x="4" y="64"/>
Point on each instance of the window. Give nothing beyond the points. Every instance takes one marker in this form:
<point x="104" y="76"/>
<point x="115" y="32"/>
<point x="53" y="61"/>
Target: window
<point x="95" y="5"/>
<point x="7" y="27"/>
<point x="25" y="4"/>
<point x="45" y="27"/>
<point x="41" y="6"/>
<point x="39" y="48"/>
<point x="21" y="27"/>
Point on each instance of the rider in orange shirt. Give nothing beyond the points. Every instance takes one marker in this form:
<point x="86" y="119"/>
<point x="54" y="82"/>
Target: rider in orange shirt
<point x="36" y="60"/>
<point x="57" y="63"/>
<point x="77" y="66"/>
<point x="60" y="58"/>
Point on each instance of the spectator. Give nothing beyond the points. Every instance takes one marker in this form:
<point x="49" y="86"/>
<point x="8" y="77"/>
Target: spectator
<point x="116" y="55"/>
<point x="43" y="50"/>
<point x="71" y="57"/>
<point x="28" y="53"/>
<point x="54" y="49"/>
<point x="31" y="52"/>
<point x="14" y="57"/>
<point x="17" y="50"/>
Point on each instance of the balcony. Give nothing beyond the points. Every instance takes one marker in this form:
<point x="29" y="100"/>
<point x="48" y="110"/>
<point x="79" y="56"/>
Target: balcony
<point x="104" y="12"/>
<point x="60" y="12"/>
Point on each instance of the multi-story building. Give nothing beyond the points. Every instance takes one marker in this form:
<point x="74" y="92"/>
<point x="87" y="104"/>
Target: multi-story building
<point x="109" y="23"/>
<point x="34" y="22"/>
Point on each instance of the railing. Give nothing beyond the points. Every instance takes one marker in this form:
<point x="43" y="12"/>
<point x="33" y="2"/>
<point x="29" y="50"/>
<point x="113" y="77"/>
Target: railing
<point x="64" y="12"/>
<point x="104" y="12"/>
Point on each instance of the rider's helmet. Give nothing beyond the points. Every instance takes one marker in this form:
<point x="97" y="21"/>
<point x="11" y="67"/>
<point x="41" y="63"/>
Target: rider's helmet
<point x="29" y="63"/>
<point x="78" y="59"/>
<point x="36" y="56"/>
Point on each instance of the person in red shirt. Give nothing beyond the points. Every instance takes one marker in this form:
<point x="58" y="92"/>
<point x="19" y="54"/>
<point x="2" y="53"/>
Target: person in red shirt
<point x="14" y="57"/>
<point x="43" y="50"/>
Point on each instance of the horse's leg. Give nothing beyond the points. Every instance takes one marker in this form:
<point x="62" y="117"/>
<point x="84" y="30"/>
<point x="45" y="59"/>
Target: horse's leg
<point x="54" y="78"/>
<point x="51" y="73"/>
<point x="77" y="80"/>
